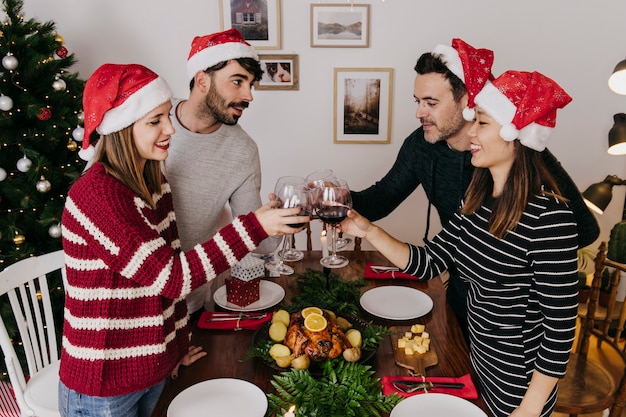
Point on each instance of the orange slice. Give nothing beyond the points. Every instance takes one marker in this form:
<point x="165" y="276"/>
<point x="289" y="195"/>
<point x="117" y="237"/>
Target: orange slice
<point x="309" y="310"/>
<point x="315" y="322"/>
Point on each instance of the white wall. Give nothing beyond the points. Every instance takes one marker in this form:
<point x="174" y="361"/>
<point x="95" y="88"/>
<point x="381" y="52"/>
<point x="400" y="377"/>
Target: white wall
<point x="577" y="43"/>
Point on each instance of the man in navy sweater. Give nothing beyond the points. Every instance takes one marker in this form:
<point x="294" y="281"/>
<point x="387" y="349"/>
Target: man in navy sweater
<point x="436" y="155"/>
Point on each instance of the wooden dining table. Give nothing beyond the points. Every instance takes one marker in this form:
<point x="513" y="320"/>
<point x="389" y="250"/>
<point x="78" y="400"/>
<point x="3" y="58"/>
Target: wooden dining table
<point x="227" y="349"/>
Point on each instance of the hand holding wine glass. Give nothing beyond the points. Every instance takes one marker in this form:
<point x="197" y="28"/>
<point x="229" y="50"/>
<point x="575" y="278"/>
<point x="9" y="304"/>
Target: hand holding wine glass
<point x="290" y="192"/>
<point x="332" y="203"/>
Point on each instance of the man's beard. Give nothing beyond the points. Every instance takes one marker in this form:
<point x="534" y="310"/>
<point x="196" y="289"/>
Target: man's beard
<point x="449" y="128"/>
<point x="216" y="107"/>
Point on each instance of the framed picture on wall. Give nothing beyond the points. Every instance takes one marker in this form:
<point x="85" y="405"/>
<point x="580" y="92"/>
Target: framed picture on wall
<point x="280" y="72"/>
<point x="362" y="105"/>
<point x="340" y="26"/>
<point x="257" y="20"/>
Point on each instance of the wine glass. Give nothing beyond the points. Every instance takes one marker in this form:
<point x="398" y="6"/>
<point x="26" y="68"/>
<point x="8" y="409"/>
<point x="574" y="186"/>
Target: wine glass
<point x="319" y="178"/>
<point x="291" y="193"/>
<point x="331" y="204"/>
<point x="290" y="254"/>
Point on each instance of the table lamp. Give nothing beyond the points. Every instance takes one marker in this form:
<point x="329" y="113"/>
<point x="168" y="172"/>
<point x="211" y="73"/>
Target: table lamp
<point x="598" y="196"/>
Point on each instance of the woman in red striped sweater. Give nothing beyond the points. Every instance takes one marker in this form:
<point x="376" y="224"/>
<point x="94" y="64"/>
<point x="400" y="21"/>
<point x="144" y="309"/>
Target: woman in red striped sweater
<point x="126" y="323"/>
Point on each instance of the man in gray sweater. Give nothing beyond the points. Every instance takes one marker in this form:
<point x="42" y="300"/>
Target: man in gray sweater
<point x="213" y="163"/>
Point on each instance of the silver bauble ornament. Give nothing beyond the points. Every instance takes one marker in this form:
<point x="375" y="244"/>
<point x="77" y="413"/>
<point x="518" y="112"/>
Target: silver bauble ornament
<point x="55" y="231"/>
<point x="3" y="174"/>
<point x="24" y="164"/>
<point x="9" y="61"/>
<point x="59" y="85"/>
<point x="78" y="134"/>
<point x="6" y="103"/>
<point x="81" y="117"/>
<point x="43" y="185"/>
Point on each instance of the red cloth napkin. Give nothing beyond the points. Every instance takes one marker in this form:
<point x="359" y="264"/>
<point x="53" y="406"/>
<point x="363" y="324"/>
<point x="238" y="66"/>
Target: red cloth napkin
<point x="386" y="275"/>
<point x="206" y="321"/>
<point x="468" y="392"/>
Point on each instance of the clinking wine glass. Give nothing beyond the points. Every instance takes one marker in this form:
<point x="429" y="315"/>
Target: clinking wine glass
<point x="290" y="195"/>
<point x="332" y="203"/>
<point x="288" y="252"/>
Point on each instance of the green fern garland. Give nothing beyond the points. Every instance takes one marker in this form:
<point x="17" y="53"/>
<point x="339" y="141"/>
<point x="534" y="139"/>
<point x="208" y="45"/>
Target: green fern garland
<point x="346" y="389"/>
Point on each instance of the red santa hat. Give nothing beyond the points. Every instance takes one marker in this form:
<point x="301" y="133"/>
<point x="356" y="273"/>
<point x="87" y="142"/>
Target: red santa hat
<point x="525" y="104"/>
<point x="471" y="65"/>
<point x="212" y="49"/>
<point x="116" y="96"/>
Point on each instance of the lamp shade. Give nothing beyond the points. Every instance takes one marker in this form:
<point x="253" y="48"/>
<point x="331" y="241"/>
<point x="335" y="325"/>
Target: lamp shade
<point x="598" y="196"/>
<point x="617" y="80"/>
<point x="617" y="135"/>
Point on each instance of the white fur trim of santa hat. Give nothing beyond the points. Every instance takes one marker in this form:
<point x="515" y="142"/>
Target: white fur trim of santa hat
<point x="140" y="103"/>
<point x="498" y="106"/>
<point x="450" y="57"/>
<point x="215" y="48"/>
<point x="535" y="136"/>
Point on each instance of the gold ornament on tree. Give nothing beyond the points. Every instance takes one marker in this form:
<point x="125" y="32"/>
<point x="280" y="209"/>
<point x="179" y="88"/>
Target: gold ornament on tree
<point x="59" y="39"/>
<point x="19" y="239"/>
<point x="71" y="145"/>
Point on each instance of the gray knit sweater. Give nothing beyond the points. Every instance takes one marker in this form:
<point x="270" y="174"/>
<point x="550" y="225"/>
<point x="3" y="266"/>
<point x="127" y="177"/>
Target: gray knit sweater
<point x="205" y="172"/>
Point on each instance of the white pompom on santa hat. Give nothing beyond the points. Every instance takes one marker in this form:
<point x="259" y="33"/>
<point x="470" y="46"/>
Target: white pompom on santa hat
<point x="525" y="104"/>
<point x="212" y="49"/>
<point x="116" y="96"/>
<point x="470" y="65"/>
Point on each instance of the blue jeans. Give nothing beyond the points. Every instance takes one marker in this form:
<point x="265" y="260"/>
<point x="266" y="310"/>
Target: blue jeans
<point x="136" y="404"/>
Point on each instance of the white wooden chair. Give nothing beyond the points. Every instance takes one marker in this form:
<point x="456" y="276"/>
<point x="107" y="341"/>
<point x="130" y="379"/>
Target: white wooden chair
<point x="26" y="284"/>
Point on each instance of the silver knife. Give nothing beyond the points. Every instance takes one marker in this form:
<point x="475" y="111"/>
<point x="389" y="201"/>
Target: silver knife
<point x="412" y="386"/>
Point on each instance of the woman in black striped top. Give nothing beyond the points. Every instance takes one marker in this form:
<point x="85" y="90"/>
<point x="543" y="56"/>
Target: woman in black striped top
<point x="514" y="241"/>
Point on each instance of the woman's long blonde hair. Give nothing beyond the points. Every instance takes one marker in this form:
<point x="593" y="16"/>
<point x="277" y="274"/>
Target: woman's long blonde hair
<point x="529" y="176"/>
<point x="120" y="158"/>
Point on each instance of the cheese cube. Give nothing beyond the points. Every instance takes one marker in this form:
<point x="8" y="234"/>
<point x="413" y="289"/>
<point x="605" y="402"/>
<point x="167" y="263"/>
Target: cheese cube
<point x="425" y="335"/>
<point x="408" y="350"/>
<point x="401" y="343"/>
<point x="417" y="328"/>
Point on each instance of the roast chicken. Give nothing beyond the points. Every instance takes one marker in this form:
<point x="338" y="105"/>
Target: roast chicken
<point x="318" y="346"/>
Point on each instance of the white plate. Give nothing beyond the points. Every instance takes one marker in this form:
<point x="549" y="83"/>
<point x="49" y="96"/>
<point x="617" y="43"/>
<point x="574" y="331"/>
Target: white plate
<point x="396" y="303"/>
<point x="270" y="294"/>
<point x="219" y="397"/>
<point x="436" y="405"/>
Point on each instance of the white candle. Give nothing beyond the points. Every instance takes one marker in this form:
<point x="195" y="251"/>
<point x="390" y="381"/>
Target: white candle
<point x="290" y="413"/>
<point x="324" y="244"/>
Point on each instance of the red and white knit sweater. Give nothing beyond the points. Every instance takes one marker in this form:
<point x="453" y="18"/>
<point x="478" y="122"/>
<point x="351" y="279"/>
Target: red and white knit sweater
<point x="126" y="322"/>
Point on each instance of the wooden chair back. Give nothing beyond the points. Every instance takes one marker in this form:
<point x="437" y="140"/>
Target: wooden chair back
<point x="589" y="386"/>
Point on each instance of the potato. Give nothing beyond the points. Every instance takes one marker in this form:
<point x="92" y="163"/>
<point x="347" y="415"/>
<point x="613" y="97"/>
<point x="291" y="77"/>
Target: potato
<point x="277" y="350"/>
<point x="354" y="337"/>
<point x="342" y="323"/>
<point x="331" y="314"/>
<point x="352" y="354"/>
<point x="284" y="361"/>
<point x="277" y="331"/>
<point x="301" y="362"/>
<point x="281" y="316"/>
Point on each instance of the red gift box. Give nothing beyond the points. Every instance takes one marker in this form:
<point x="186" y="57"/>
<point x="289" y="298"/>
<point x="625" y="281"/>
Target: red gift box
<point x="242" y="293"/>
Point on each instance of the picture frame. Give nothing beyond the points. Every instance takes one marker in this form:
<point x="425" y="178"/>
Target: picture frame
<point x="259" y="21"/>
<point x="340" y="26"/>
<point x="362" y="105"/>
<point x="280" y="72"/>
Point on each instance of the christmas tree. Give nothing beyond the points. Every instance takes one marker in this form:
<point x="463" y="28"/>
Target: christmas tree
<point x="40" y="124"/>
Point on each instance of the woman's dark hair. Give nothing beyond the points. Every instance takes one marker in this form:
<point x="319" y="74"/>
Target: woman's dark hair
<point x="430" y="63"/>
<point x="528" y="176"/>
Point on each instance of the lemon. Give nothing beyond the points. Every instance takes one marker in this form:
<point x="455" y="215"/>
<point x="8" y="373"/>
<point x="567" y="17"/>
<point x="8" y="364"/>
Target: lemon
<point x="315" y="322"/>
<point x="308" y="310"/>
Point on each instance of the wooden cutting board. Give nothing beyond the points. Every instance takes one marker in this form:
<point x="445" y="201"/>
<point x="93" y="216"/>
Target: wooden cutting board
<point x="417" y="362"/>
